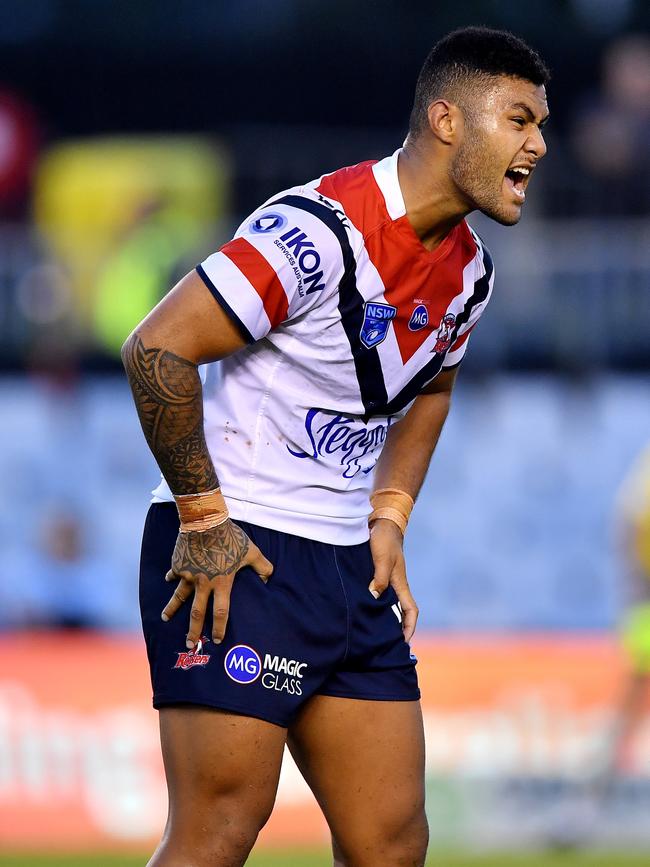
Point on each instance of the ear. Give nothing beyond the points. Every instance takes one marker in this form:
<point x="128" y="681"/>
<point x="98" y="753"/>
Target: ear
<point x="444" y="119"/>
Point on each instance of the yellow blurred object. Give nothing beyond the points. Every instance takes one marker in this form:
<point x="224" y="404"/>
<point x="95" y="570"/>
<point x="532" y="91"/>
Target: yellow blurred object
<point x="642" y="531"/>
<point x="120" y="213"/>
<point x="634" y="510"/>
<point x="636" y="637"/>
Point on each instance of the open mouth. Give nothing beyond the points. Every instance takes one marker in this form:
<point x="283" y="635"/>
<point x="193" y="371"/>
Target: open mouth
<point x="517" y="179"/>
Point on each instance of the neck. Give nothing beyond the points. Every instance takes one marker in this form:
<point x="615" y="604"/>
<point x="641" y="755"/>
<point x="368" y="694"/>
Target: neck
<point x="433" y="205"/>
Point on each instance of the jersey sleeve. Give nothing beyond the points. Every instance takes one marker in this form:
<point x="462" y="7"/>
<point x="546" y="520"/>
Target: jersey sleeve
<point x="483" y="284"/>
<point x="282" y="260"/>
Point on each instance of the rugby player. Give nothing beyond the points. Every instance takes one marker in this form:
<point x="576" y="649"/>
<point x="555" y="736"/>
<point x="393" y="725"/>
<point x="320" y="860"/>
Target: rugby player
<point x="632" y="522"/>
<point x="339" y="313"/>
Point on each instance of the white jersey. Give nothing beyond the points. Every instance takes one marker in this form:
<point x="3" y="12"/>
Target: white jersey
<point x="348" y="316"/>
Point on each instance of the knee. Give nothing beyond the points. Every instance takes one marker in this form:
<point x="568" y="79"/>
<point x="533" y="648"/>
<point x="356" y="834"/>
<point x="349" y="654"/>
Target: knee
<point x="400" y="841"/>
<point x="406" y="842"/>
<point x="218" y="832"/>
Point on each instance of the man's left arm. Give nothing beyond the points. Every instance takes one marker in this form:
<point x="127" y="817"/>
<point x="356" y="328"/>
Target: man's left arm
<point x="402" y="466"/>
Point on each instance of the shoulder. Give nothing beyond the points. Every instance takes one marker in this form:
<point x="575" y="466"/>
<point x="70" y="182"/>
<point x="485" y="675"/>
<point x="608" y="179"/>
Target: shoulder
<point x="356" y="194"/>
<point x="299" y="216"/>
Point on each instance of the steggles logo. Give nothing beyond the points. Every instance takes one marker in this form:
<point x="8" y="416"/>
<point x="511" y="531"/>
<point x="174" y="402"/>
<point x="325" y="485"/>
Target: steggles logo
<point x="190" y="658"/>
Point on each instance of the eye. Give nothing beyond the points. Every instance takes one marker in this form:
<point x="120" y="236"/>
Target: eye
<point x="520" y="121"/>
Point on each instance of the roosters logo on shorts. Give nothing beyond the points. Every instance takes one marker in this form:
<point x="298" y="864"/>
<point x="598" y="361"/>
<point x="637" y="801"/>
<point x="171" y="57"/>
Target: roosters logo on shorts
<point x="190" y="658"/>
<point x="443" y="335"/>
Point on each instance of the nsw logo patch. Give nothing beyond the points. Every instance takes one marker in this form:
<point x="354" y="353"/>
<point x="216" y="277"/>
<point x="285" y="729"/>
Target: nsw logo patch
<point x="376" y="319"/>
<point x="242" y="664"/>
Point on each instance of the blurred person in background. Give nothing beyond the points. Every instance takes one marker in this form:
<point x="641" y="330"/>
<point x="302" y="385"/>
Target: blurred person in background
<point x="610" y="136"/>
<point x="69" y="585"/>
<point x="578" y="824"/>
<point x="343" y="309"/>
<point x="632" y="520"/>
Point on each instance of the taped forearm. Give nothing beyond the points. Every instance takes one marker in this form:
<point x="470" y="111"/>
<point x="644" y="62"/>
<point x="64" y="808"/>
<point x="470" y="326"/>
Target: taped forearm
<point x="392" y="504"/>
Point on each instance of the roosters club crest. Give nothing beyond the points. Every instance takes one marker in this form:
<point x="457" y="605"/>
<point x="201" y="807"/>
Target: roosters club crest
<point x="444" y="333"/>
<point x="190" y="658"/>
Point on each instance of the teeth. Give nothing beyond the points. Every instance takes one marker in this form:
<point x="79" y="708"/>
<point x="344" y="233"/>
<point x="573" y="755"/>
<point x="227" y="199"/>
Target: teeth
<point x="521" y="170"/>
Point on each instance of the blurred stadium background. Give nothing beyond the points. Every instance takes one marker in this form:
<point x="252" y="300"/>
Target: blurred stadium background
<point x="133" y="138"/>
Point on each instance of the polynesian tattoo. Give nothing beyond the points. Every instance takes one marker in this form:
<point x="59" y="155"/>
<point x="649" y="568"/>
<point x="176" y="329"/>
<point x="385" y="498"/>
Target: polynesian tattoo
<point x="168" y="396"/>
<point x="169" y="400"/>
<point x="218" y="551"/>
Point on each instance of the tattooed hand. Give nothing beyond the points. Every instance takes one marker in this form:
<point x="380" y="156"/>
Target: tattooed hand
<point x="206" y="562"/>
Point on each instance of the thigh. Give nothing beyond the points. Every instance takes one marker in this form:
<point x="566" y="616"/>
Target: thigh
<point x="364" y="761"/>
<point x="222" y="771"/>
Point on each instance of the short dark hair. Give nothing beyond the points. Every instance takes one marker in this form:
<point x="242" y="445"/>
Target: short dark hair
<point x="466" y="56"/>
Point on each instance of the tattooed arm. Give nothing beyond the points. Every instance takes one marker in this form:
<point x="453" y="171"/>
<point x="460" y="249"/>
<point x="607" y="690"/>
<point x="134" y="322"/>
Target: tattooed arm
<point x="160" y="358"/>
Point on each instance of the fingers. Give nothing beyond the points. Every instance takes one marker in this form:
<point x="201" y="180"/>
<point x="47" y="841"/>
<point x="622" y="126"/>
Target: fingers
<point x="259" y="563"/>
<point x="381" y="578"/>
<point x="180" y="595"/>
<point x="197" y="614"/>
<point x="391" y="569"/>
<point x="221" y="607"/>
<point x="405" y="598"/>
<point x="410" y="611"/>
<point x="386" y="548"/>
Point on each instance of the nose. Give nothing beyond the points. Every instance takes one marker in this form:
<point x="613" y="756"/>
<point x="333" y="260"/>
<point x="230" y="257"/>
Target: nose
<point x="535" y="144"/>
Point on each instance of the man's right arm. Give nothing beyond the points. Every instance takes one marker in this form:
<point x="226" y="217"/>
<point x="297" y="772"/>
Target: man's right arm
<point x="161" y="359"/>
<point x="167" y="393"/>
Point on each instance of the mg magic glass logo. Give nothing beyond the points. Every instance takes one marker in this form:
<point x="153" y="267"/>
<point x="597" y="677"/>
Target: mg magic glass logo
<point x="242" y="664"/>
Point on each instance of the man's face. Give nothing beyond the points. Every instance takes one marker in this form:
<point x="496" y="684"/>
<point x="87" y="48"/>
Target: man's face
<point x="501" y="141"/>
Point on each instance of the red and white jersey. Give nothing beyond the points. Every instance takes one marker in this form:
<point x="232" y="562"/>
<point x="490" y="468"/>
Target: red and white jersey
<point x="348" y="316"/>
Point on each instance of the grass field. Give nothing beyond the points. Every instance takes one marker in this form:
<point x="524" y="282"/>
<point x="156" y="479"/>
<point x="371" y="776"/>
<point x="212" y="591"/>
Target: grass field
<point x="322" y="859"/>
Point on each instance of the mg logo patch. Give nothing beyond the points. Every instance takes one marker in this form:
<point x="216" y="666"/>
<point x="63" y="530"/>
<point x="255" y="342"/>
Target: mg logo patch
<point x="419" y="318"/>
<point x="376" y="319"/>
<point x="242" y="664"/>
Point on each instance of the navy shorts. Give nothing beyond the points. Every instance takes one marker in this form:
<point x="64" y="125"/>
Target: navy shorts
<point x="313" y="629"/>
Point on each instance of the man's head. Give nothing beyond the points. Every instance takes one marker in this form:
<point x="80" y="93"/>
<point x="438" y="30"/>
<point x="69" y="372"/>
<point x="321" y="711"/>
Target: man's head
<point x="481" y="96"/>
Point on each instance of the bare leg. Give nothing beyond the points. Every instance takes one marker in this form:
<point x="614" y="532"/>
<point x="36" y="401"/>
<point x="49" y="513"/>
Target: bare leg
<point x="364" y="761"/>
<point x="222" y="774"/>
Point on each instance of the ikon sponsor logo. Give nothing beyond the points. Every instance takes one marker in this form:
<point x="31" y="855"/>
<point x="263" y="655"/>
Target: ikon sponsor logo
<point x="242" y="664"/>
<point x="190" y="658"/>
<point x="302" y="256"/>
